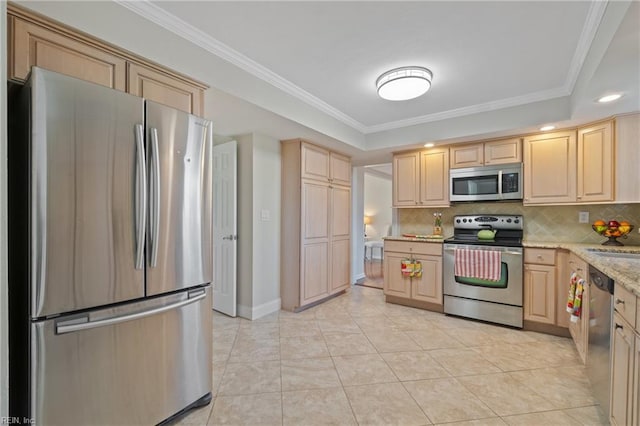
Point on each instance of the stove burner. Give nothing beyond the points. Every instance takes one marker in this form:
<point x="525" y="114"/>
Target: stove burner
<point x="509" y="230"/>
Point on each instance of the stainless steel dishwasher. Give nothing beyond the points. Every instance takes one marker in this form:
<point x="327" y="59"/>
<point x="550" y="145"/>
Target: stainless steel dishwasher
<point x="599" y="352"/>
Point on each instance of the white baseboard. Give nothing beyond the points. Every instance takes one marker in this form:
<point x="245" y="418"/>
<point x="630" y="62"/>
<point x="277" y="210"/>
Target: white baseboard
<point x="259" y="311"/>
<point x="360" y="277"/>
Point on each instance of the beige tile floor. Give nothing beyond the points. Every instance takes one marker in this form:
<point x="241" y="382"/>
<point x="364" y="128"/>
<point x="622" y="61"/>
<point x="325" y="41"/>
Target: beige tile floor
<point x="358" y="360"/>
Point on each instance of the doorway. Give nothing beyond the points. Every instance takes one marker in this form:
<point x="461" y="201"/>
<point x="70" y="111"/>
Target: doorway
<point x="377" y="221"/>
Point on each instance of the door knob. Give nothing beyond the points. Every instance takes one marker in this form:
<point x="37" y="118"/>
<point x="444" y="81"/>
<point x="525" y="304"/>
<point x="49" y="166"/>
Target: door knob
<point x="230" y="237"/>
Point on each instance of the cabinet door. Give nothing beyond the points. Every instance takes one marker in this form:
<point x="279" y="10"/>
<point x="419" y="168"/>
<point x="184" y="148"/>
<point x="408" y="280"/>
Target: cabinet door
<point x="406" y="179"/>
<point x="466" y="155"/>
<point x="164" y="89"/>
<point x="562" y="277"/>
<point x="34" y="45"/>
<point x="428" y="287"/>
<point x="434" y="177"/>
<point x="550" y="168"/>
<point x="595" y="163"/>
<point x="340" y="232"/>
<point x="314" y="267"/>
<point x="340" y="169"/>
<point x="540" y="293"/>
<point x="340" y="265"/>
<point x="395" y="284"/>
<point x="315" y="212"/>
<point x="315" y="162"/>
<point x="636" y="381"/>
<point x="621" y="371"/>
<point x="503" y="151"/>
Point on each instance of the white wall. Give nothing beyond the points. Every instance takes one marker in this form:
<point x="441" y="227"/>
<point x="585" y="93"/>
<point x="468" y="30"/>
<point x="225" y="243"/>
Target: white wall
<point x="377" y="204"/>
<point x="266" y="230"/>
<point x="4" y="320"/>
<point x="245" y="224"/>
<point x="258" y="239"/>
<point x="357" y="226"/>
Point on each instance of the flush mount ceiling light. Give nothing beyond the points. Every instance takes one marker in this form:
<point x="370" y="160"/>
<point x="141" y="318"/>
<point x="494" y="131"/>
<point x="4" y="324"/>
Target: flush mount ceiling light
<point x="546" y="128"/>
<point x="429" y="145"/>
<point x="610" y="98"/>
<point x="401" y="84"/>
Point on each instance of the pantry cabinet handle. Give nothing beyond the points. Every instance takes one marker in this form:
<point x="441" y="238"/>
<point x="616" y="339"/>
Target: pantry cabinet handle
<point x="619" y="301"/>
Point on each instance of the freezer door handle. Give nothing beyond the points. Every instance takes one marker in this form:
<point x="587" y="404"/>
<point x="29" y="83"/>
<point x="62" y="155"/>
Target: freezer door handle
<point x="154" y="198"/>
<point x="141" y="196"/>
<point x="83" y="323"/>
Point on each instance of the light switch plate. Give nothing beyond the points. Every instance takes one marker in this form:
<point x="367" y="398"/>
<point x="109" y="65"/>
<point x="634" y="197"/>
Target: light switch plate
<point x="583" y="217"/>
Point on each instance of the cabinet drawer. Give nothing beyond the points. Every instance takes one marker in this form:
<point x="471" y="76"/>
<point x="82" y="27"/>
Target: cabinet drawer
<point x="578" y="265"/>
<point x="540" y="256"/>
<point x="413" y="247"/>
<point x="625" y="303"/>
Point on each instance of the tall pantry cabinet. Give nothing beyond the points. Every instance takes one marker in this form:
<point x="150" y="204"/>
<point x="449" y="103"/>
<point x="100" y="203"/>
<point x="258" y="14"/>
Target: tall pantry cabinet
<point x="316" y="224"/>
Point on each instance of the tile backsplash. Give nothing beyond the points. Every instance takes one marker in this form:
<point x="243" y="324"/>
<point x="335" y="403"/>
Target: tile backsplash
<point x="541" y="223"/>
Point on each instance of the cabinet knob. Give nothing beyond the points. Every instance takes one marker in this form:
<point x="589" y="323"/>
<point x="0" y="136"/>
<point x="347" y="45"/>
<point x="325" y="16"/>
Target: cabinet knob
<point x="540" y="256"/>
<point x="619" y="301"/>
<point x="579" y="196"/>
<point x="619" y="326"/>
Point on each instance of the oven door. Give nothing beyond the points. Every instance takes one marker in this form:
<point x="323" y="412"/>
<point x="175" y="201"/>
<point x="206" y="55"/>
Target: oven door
<point x="508" y="290"/>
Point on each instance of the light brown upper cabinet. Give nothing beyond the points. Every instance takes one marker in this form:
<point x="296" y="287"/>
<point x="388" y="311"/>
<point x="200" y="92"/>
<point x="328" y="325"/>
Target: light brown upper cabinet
<point x="569" y="167"/>
<point x="159" y="87"/>
<point x="34" y="40"/>
<point x="324" y="165"/>
<point x="627" y="158"/>
<point x="550" y="168"/>
<point x="502" y="151"/>
<point x="595" y="163"/>
<point x="421" y="178"/>
<point x="34" y="45"/>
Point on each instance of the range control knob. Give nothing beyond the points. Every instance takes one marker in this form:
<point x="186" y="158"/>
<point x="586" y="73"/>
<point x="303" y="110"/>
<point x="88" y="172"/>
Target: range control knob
<point x="508" y="220"/>
<point x="457" y="220"/>
<point x="516" y="221"/>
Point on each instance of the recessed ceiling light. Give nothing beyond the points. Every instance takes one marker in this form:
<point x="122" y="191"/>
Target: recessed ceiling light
<point x="546" y="128"/>
<point x="429" y="145"/>
<point x="610" y="98"/>
<point x="401" y="84"/>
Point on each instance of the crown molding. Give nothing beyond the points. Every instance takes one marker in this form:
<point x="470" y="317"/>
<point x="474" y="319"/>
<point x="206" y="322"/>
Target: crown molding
<point x="589" y="30"/>
<point x="472" y="109"/>
<point x="172" y="23"/>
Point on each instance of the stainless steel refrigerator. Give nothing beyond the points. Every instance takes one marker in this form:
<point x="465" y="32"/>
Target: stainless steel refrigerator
<point x="110" y="216"/>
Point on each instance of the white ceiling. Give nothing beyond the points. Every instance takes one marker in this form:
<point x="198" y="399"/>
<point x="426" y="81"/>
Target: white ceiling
<point x="499" y="67"/>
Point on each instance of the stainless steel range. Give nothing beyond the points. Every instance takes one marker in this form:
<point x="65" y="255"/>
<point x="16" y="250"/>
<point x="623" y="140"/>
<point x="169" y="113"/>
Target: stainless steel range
<point x="470" y="294"/>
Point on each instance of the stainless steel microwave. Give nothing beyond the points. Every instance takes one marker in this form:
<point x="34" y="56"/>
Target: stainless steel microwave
<point x="486" y="183"/>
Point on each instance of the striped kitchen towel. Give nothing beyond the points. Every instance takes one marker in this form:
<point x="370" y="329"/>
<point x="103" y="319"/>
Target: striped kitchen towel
<point x="483" y="264"/>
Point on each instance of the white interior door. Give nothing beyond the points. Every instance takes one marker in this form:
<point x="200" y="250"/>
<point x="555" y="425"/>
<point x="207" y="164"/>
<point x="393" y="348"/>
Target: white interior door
<point x="225" y="237"/>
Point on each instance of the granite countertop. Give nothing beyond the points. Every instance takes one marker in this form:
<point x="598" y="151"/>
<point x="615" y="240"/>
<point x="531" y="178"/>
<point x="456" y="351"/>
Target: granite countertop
<point x="625" y="272"/>
<point x="422" y="239"/>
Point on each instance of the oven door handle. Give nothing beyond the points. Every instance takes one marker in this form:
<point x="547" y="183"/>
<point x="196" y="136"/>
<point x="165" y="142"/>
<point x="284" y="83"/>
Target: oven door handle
<point x="517" y="253"/>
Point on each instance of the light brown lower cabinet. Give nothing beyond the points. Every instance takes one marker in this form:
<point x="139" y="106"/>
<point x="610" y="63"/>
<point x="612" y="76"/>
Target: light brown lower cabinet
<point x="422" y="291"/>
<point x="625" y="359"/>
<point x="580" y="329"/>
<point x="546" y="282"/>
<point x="623" y="353"/>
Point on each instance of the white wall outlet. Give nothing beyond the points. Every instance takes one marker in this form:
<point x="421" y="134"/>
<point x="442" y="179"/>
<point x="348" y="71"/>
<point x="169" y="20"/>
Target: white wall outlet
<point x="265" y="215"/>
<point x="583" y="217"/>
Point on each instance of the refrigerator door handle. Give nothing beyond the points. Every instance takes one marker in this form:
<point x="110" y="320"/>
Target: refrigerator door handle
<point x="154" y="199"/>
<point x="141" y="196"/>
<point x="83" y="323"/>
